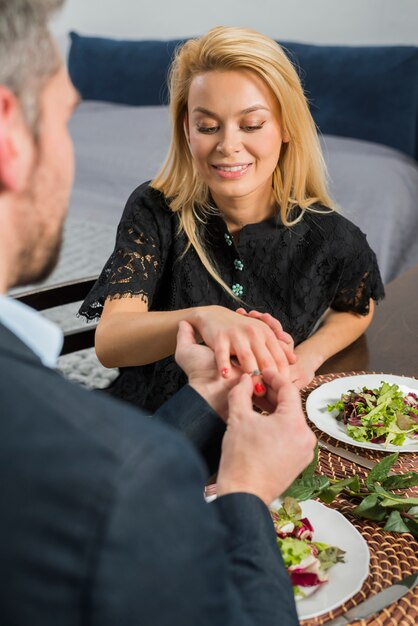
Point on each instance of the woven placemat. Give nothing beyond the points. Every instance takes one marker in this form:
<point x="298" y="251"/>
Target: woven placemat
<point x="392" y="555"/>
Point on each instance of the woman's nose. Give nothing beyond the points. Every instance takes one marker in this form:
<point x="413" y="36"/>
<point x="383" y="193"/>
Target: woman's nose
<point x="229" y="142"/>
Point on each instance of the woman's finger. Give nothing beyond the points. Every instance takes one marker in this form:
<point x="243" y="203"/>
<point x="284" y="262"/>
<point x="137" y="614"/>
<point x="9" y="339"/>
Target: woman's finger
<point x="250" y="362"/>
<point x="222" y="353"/>
<point x="288" y="351"/>
<point x="286" y="340"/>
<point x="281" y="356"/>
<point x="274" y="324"/>
<point x="246" y="357"/>
<point x="259" y="387"/>
<point x="277" y="328"/>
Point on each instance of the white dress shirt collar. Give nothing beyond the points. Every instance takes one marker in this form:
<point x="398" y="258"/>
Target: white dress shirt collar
<point x="43" y="337"/>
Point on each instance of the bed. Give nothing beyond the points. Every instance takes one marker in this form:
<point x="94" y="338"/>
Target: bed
<point x="364" y="100"/>
<point x="119" y="146"/>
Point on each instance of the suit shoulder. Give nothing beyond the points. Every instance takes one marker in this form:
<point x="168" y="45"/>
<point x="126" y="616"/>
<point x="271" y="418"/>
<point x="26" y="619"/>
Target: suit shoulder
<point x="102" y="425"/>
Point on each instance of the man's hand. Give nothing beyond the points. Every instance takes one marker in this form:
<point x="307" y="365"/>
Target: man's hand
<point x="263" y="454"/>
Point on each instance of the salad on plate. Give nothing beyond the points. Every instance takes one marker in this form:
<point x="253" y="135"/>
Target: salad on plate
<point x="384" y="415"/>
<point x="307" y="561"/>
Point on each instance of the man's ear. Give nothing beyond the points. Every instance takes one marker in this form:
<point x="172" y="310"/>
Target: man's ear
<point x="16" y="143"/>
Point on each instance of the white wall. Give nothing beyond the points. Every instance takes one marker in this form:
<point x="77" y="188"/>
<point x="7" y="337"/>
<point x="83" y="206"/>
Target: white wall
<point x="316" y="21"/>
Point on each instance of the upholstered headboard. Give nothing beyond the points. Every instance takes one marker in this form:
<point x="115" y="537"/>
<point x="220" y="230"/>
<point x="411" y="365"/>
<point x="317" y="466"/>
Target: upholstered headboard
<point x="367" y="92"/>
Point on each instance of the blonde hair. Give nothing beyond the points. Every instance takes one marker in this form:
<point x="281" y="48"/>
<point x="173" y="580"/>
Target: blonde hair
<point x="300" y="176"/>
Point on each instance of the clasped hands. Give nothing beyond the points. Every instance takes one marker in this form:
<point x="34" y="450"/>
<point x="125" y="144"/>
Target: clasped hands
<point x="261" y="454"/>
<point x="255" y="341"/>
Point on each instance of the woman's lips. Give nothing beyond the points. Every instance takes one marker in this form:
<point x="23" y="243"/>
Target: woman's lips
<point x="232" y="171"/>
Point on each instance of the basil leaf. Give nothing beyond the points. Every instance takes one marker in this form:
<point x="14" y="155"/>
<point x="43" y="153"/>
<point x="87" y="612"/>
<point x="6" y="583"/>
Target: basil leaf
<point x="330" y="493"/>
<point x="413" y="511"/>
<point x="381" y="470"/>
<point x="396" y="524"/>
<point x="413" y="526"/>
<point x="390" y="503"/>
<point x="370" y="508"/>
<point x="401" y="481"/>
<point x="305" y="488"/>
<point x="392" y="500"/>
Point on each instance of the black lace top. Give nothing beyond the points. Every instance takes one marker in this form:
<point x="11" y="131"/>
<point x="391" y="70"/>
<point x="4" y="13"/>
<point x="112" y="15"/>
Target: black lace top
<point x="293" y="273"/>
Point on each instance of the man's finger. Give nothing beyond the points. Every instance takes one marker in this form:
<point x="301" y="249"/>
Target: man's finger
<point x="240" y="397"/>
<point x="288" y="396"/>
<point x="185" y="335"/>
<point x="274" y="379"/>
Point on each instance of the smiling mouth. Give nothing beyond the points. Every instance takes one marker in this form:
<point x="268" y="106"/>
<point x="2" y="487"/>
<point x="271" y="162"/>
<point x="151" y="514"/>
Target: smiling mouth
<point x="232" y="168"/>
<point x="232" y="171"/>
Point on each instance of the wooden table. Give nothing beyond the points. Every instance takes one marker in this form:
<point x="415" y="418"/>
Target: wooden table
<point x="390" y="344"/>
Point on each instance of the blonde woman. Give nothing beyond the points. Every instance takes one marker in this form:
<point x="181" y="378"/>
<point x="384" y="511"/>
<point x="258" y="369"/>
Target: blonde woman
<point x="236" y="234"/>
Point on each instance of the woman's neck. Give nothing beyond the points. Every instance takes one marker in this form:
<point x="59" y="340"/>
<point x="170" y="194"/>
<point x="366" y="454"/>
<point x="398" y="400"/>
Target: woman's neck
<point x="249" y="209"/>
<point x="238" y="212"/>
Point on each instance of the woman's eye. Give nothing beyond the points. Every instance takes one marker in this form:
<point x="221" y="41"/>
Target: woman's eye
<point x="251" y="129"/>
<point x="207" y="130"/>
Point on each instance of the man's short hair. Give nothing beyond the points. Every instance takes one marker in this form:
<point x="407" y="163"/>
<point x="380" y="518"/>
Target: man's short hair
<point x="28" y="56"/>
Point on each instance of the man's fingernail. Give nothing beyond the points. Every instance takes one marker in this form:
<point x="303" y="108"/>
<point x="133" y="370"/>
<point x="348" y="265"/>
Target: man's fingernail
<point x="225" y="372"/>
<point x="259" y="388"/>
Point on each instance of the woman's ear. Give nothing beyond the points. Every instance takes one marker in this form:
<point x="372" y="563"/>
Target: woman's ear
<point x="16" y="143"/>
<point x="285" y="137"/>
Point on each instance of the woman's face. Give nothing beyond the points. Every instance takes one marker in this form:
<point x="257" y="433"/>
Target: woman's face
<point x="233" y="128"/>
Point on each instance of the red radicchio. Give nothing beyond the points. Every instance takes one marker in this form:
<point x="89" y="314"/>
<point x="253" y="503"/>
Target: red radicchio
<point x="305" y="531"/>
<point x="302" y="578"/>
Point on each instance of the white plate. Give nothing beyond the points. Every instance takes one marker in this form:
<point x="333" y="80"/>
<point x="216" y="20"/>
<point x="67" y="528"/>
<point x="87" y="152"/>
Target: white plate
<point x="329" y="393"/>
<point x="345" y="579"/>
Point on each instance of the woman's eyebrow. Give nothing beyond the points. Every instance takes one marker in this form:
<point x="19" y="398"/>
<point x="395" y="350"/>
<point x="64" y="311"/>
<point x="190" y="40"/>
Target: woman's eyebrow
<point x="255" y="107"/>
<point x="251" y="109"/>
<point x="203" y="110"/>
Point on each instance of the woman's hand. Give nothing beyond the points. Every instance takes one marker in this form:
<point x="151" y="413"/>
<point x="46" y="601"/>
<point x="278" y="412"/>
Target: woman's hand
<point x="285" y="339"/>
<point x="303" y="371"/>
<point x="199" y="364"/>
<point x="251" y="341"/>
<point x="338" y="330"/>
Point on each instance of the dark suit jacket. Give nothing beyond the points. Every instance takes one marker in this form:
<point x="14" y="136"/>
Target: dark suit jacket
<point x="102" y="520"/>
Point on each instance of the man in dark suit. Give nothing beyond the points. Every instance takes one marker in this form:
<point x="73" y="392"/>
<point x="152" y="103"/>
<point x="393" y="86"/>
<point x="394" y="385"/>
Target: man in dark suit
<point x="102" y="519"/>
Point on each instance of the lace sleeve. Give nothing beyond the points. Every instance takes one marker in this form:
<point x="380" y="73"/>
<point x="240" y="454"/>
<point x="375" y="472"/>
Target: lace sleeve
<point x="136" y="264"/>
<point x="360" y="278"/>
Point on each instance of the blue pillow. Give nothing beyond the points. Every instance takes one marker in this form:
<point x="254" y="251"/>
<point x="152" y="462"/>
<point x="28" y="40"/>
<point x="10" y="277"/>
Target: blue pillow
<point x="366" y="92"/>
<point x="126" y="72"/>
